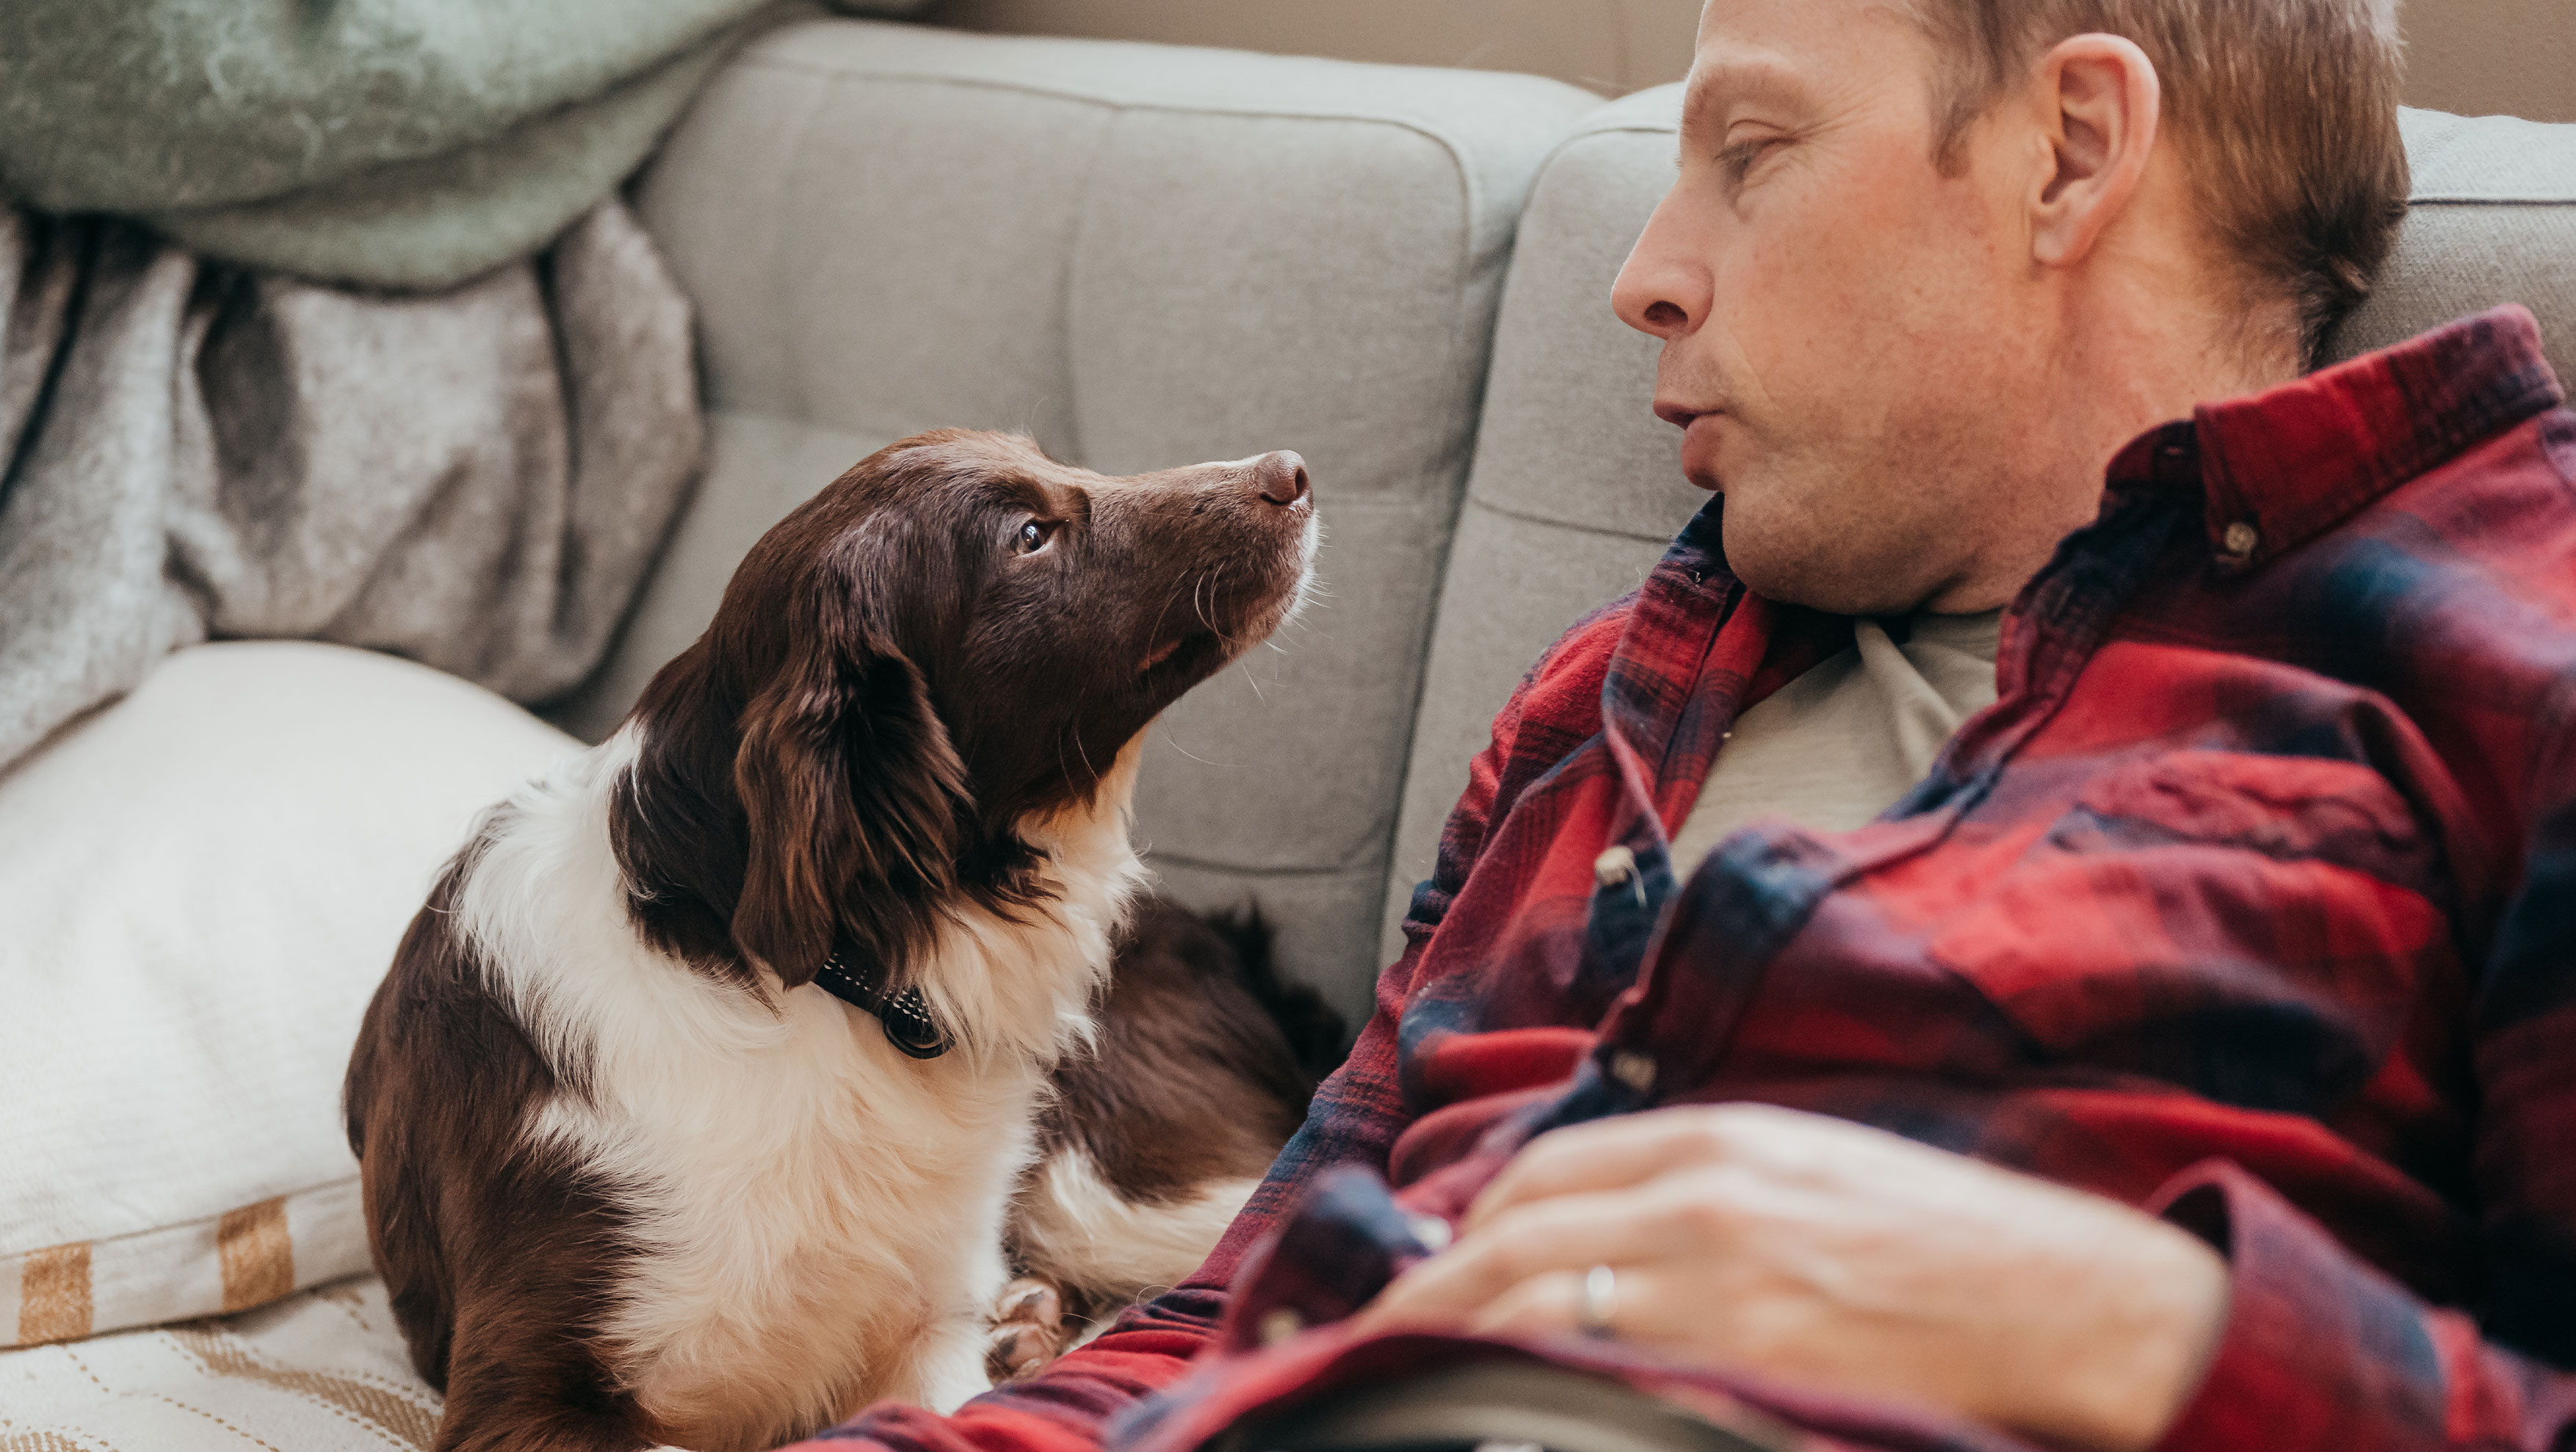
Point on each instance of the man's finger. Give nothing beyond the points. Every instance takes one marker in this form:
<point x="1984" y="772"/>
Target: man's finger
<point x="1562" y="1302"/>
<point x="1540" y="1306"/>
<point x="1606" y="1154"/>
<point x="1563" y="1233"/>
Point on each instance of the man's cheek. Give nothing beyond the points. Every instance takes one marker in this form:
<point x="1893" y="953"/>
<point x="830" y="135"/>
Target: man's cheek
<point x="1803" y="320"/>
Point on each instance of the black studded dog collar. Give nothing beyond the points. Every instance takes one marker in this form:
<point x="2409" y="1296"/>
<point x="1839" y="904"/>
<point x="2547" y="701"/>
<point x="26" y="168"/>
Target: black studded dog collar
<point x="905" y="1015"/>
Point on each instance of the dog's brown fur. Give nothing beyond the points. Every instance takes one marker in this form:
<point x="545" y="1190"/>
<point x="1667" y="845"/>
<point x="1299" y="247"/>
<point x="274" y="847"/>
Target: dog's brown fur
<point x="1203" y="1068"/>
<point x="1195" y="1080"/>
<point x="530" y="1248"/>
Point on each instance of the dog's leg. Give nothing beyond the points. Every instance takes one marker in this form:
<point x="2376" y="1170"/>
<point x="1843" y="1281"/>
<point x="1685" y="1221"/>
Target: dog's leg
<point x="951" y="1366"/>
<point x="518" y="1384"/>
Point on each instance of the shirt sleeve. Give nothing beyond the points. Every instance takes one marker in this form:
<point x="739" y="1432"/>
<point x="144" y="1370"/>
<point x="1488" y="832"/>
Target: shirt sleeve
<point x="2323" y="1353"/>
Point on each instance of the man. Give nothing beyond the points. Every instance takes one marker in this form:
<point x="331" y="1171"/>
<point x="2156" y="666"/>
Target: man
<point x="2175" y="1064"/>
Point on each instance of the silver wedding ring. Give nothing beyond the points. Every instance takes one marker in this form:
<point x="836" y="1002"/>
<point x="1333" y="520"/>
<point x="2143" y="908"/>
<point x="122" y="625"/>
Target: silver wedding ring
<point x="1600" y="1300"/>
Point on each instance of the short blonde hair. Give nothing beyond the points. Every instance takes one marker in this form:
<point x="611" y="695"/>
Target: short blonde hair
<point x="2285" y="111"/>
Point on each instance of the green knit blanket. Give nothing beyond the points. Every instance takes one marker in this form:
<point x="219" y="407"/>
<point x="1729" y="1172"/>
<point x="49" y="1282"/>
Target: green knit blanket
<point x="407" y="144"/>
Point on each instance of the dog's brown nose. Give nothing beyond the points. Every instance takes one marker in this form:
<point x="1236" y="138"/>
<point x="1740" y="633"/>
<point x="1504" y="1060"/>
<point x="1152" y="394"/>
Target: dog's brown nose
<point x="1282" y="477"/>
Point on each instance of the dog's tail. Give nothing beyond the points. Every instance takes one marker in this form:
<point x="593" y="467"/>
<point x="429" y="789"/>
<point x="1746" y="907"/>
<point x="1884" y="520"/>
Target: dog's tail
<point x="1317" y="1036"/>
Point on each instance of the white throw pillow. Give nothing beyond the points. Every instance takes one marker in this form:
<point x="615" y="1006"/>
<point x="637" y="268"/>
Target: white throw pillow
<point x="200" y="887"/>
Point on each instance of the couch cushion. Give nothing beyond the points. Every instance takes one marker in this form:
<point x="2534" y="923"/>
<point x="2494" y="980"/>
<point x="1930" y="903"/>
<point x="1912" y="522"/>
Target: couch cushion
<point x="2493" y="220"/>
<point x="1143" y="256"/>
<point x="203" y="884"/>
<point x="1576" y="487"/>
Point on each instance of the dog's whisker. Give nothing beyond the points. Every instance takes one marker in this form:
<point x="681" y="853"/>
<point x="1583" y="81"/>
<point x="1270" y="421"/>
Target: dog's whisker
<point x="1194" y="756"/>
<point x="1085" y="753"/>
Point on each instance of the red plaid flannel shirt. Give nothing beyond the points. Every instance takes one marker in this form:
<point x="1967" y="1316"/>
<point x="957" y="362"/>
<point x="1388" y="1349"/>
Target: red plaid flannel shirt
<point x="2251" y="902"/>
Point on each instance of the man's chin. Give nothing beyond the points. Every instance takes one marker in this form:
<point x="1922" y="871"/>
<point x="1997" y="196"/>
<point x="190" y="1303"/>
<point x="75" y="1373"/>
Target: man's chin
<point x="1834" y="582"/>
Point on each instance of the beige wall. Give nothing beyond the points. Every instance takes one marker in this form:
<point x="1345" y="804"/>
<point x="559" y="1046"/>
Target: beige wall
<point x="2515" y="57"/>
<point x="2473" y="56"/>
<point x="1612" y="46"/>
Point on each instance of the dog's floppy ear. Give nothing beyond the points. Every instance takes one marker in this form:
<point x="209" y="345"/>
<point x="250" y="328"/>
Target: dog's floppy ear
<point x="856" y="804"/>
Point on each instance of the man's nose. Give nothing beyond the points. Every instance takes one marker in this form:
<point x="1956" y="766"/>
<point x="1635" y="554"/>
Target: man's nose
<point x="1281" y="477"/>
<point x="1663" y="289"/>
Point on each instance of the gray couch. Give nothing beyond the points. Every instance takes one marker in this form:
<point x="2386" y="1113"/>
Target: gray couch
<point x="1146" y="256"/>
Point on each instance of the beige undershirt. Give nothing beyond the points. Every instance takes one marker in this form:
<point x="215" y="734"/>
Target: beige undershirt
<point x="1838" y="745"/>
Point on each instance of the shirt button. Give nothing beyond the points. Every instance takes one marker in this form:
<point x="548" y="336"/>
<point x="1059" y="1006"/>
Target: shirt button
<point x="1280" y="1324"/>
<point x="2240" y="539"/>
<point x="1633" y="1069"/>
<point x="1614" y="867"/>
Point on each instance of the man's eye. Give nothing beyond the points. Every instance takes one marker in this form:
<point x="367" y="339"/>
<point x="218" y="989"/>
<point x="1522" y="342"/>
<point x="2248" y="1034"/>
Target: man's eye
<point x="1737" y="158"/>
<point x="1033" y="537"/>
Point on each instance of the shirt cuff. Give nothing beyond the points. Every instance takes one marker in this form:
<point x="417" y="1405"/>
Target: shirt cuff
<point x="2322" y="1353"/>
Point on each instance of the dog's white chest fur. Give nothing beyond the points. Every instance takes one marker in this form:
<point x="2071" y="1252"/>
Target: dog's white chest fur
<point x="817" y="1218"/>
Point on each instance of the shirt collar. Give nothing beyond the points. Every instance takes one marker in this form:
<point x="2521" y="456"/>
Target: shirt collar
<point x="2279" y="468"/>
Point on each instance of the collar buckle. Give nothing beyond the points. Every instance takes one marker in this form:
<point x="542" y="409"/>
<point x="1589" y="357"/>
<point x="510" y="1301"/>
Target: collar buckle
<point x="905" y="1016"/>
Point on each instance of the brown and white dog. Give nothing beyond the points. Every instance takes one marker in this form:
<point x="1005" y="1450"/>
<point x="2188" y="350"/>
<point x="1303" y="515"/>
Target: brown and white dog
<point x="631" y="1173"/>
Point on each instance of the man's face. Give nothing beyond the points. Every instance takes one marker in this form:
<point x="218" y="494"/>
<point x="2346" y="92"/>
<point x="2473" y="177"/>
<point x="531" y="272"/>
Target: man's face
<point x="1844" y="340"/>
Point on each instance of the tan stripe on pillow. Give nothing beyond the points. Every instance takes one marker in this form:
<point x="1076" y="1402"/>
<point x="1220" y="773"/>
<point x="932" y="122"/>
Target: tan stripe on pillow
<point x="53" y="1294"/>
<point x="257" y="1256"/>
<point x="39" y="1441"/>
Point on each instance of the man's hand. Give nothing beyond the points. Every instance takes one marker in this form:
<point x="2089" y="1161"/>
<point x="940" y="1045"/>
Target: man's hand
<point x="1828" y="1253"/>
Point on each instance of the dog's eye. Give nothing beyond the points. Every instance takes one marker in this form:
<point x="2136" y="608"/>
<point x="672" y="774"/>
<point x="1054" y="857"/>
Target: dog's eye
<point x="1033" y="537"/>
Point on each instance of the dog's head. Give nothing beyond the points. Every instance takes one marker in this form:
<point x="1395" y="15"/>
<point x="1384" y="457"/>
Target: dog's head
<point x="954" y="640"/>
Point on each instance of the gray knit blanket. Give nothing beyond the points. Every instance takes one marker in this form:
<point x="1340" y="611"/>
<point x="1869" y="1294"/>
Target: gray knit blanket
<point x="477" y="479"/>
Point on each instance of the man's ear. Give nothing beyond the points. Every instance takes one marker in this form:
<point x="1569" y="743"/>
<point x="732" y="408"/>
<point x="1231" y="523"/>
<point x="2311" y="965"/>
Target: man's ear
<point x="2102" y="107"/>
<point x="855" y="802"/>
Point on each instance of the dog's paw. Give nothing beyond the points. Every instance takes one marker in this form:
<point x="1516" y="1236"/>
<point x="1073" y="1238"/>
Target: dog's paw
<point x="1028" y="1330"/>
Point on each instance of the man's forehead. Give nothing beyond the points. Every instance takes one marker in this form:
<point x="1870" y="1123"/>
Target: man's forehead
<point x="1790" y="49"/>
<point x="1774" y="22"/>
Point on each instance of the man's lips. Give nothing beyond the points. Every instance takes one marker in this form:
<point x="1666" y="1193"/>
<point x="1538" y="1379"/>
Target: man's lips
<point x="1699" y="440"/>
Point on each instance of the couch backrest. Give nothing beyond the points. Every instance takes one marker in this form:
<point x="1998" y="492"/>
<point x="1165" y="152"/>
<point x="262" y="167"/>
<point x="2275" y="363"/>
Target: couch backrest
<point x="2493" y="220"/>
<point x="1143" y="256"/>
<point x="1576" y="488"/>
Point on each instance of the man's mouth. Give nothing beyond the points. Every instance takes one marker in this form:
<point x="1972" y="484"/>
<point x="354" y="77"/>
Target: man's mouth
<point x="1699" y="450"/>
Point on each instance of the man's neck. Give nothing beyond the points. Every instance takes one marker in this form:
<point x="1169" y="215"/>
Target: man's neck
<point x="2144" y="359"/>
<point x="2126" y="364"/>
